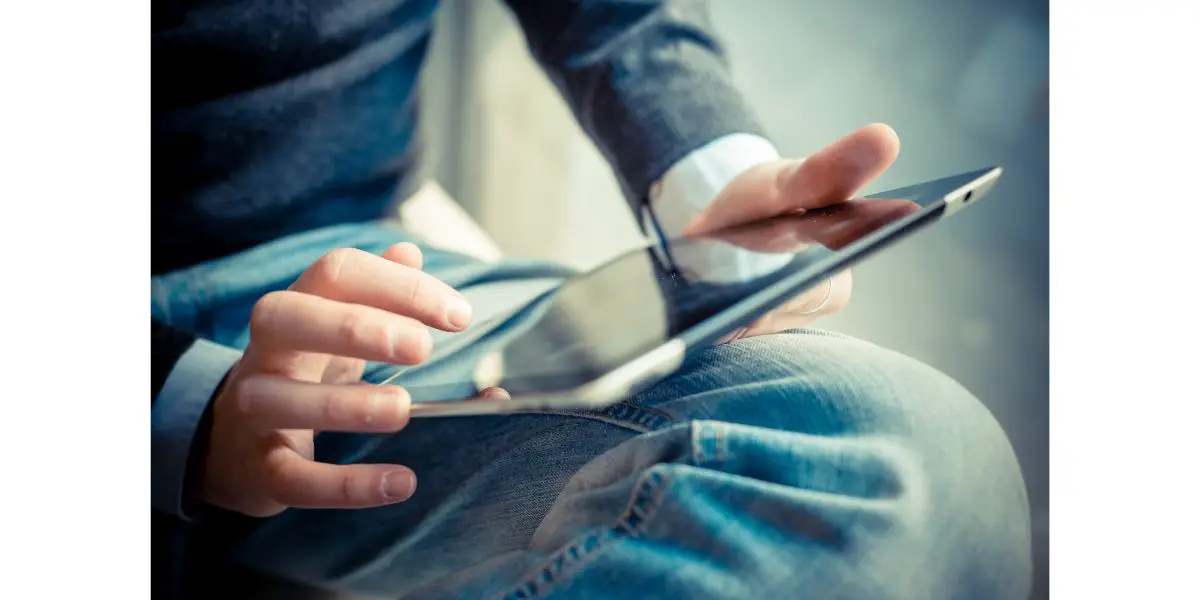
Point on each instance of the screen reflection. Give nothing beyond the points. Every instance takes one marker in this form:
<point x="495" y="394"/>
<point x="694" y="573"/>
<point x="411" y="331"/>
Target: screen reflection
<point x="627" y="307"/>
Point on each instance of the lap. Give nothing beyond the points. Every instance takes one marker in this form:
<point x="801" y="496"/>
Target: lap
<point x="796" y="462"/>
<point x="801" y="461"/>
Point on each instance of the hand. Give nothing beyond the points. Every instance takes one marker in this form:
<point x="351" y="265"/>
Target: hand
<point x="301" y="373"/>
<point x="832" y="175"/>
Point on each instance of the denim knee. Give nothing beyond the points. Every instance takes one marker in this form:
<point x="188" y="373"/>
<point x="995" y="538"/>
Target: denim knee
<point x="978" y="505"/>
<point x="826" y="384"/>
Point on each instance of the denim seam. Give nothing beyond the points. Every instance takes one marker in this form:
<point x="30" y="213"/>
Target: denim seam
<point x="650" y="418"/>
<point x="642" y="508"/>
<point x="641" y="419"/>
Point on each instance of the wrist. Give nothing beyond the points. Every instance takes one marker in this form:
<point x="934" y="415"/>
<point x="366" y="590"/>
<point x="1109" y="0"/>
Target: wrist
<point x="689" y="186"/>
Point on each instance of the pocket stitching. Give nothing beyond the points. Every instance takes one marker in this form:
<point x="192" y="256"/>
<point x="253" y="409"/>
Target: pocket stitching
<point x="642" y="508"/>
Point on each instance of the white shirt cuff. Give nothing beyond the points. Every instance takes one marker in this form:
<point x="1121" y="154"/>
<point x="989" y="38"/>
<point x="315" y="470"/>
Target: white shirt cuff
<point x="691" y="184"/>
<point x="176" y="414"/>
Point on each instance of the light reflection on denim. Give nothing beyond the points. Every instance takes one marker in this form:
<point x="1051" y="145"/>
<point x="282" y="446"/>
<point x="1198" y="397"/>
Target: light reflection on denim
<point x="800" y="465"/>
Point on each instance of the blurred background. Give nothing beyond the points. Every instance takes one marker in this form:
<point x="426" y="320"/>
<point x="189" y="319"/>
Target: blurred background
<point x="964" y="83"/>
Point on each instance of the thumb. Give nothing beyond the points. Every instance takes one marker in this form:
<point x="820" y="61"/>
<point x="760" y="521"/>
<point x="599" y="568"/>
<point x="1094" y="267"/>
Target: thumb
<point x="831" y="175"/>
<point x="838" y="171"/>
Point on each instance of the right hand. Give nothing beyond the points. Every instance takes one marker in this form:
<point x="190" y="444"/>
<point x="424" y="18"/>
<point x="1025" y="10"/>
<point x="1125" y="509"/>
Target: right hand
<point x="302" y="373"/>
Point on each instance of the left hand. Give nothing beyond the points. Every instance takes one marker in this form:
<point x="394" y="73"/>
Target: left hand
<point x="833" y="174"/>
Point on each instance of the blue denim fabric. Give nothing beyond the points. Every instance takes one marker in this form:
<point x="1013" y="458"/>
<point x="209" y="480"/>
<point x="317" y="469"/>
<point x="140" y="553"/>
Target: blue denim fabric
<point x="805" y="464"/>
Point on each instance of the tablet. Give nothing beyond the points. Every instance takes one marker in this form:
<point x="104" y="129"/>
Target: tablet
<point x="608" y="333"/>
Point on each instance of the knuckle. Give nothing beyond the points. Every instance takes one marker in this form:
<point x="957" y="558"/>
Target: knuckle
<point x="340" y="409"/>
<point x="349" y="330"/>
<point x="422" y="347"/>
<point x="279" y="483"/>
<point x="416" y="288"/>
<point x="264" y="312"/>
<point x="347" y="489"/>
<point x="785" y="179"/>
<point x="364" y="336"/>
<point x="342" y="369"/>
<point x="360" y="408"/>
<point x="416" y="347"/>
<point x="330" y="409"/>
<point x="327" y="271"/>
<point x="244" y="394"/>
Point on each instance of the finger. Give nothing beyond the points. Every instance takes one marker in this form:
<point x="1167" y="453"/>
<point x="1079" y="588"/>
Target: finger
<point x="271" y="402"/>
<point x="734" y="335"/>
<point x="296" y="481"/>
<point x="779" y="235"/>
<point x="831" y="175"/>
<point x="839" y="170"/>
<point x="849" y="221"/>
<point x="495" y="393"/>
<point x="350" y="275"/>
<point x="405" y="253"/>
<point x="297" y="322"/>
<point x="824" y="299"/>
<point x="834" y="227"/>
<point x="806" y="308"/>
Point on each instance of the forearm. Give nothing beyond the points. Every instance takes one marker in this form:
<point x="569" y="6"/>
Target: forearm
<point x="647" y="81"/>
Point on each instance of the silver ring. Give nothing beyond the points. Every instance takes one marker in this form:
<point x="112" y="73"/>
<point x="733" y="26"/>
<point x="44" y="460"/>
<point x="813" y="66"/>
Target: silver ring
<point x="824" y="301"/>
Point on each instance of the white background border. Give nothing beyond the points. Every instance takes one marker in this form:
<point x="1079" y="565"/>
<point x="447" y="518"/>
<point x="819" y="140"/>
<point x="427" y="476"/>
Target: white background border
<point x="1125" y="271"/>
<point x="75" y="194"/>
<point x="74" y="297"/>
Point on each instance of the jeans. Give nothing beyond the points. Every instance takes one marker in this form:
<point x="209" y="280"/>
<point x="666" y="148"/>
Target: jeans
<point x="805" y="464"/>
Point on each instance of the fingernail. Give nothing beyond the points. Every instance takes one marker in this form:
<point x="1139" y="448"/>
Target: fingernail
<point x="399" y="485"/>
<point x="458" y="311"/>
